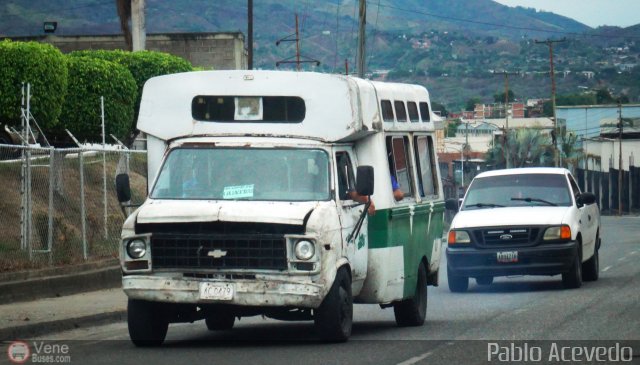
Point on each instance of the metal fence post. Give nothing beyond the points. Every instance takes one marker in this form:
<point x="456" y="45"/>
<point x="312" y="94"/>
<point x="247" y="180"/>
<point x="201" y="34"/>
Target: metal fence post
<point x="82" y="206"/>
<point x="50" y="220"/>
<point x="29" y="203"/>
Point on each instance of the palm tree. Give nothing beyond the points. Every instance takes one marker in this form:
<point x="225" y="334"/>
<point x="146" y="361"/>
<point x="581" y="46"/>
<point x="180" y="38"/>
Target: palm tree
<point x="527" y="147"/>
<point x="124" y="13"/>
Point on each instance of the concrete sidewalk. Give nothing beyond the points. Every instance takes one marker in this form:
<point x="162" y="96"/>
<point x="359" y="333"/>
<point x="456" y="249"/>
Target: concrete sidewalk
<point x="22" y="320"/>
<point x="41" y="301"/>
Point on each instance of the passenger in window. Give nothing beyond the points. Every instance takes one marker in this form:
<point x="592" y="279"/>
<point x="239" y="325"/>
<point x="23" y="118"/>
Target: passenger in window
<point x="398" y="194"/>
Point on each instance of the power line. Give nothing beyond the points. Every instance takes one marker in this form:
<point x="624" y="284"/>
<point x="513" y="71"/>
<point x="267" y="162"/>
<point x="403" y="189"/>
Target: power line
<point x="503" y="25"/>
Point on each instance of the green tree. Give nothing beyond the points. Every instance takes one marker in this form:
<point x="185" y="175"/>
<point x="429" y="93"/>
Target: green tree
<point x="499" y="97"/>
<point x="41" y="65"/>
<point x="527" y="147"/>
<point x="437" y="107"/>
<point x="89" y="79"/>
<point x="471" y="103"/>
<point x="452" y="127"/>
<point x="603" y="96"/>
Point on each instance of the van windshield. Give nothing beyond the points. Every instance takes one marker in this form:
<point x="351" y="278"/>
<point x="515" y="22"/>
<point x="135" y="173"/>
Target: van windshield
<point x="518" y="190"/>
<point x="244" y="174"/>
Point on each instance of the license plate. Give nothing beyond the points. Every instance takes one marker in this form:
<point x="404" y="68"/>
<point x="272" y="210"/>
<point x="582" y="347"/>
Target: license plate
<point x="507" y="256"/>
<point x="216" y="291"/>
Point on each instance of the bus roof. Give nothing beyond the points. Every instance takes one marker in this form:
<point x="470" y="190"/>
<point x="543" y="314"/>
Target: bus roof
<point x="332" y="107"/>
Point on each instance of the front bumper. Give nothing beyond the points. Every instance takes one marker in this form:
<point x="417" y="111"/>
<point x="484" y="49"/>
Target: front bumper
<point x="546" y="259"/>
<point x="258" y="292"/>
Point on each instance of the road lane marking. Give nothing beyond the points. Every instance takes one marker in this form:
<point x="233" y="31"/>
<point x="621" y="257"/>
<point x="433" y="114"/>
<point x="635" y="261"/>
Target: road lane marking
<point x="415" y="359"/>
<point x="606" y="269"/>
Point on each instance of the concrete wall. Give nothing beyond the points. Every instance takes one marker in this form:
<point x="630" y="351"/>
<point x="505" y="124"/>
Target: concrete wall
<point x="219" y="51"/>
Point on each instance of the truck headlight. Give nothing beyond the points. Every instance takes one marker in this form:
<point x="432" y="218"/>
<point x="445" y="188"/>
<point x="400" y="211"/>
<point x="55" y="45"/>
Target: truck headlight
<point x="136" y="248"/>
<point x="562" y="232"/>
<point x="456" y="237"/>
<point x="304" y="250"/>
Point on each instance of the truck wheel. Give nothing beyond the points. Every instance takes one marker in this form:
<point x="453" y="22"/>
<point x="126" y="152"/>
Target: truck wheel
<point x="591" y="268"/>
<point x="334" y="318"/>
<point x="457" y="284"/>
<point x="484" y="280"/>
<point x="220" y="322"/>
<point x="413" y="311"/>
<point x="573" y="278"/>
<point x="147" y="323"/>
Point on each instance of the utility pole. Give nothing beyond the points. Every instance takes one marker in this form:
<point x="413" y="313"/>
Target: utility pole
<point x="298" y="56"/>
<point x="362" y="38"/>
<point x="138" y="31"/>
<point x="549" y="43"/>
<point x="506" y="117"/>
<point x="620" y="174"/>
<point x="250" y="34"/>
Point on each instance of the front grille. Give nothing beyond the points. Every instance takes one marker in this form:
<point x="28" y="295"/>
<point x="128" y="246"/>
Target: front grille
<point x="216" y="251"/>
<point x="510" y="236"/>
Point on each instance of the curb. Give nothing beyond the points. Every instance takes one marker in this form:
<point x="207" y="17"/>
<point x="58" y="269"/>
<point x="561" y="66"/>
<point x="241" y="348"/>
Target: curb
<point x="59" y="285"/>
<point x="44" y="328"/>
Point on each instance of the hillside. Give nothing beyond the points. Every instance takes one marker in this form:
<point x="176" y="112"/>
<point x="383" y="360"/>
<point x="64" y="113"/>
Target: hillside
<point x="449" y="45"/>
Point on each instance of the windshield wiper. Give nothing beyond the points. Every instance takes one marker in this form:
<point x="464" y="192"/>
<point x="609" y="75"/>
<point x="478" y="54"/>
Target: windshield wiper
<point x="484" y="205"/>
<point x="529" y="200"/>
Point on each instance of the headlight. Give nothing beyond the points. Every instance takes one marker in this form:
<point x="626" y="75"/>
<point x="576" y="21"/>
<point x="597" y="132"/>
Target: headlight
<point x="557" y="233"/>
<point x="458" y="237"/>
<point x="136" y="248"/>
<point x="304" y="250"/>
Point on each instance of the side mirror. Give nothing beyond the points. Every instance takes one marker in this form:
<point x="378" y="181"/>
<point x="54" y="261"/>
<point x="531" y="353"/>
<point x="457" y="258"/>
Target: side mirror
<point x="451" y="204"/>
<point x="364" y="180"/>
<point x="586" y="199"/>
<point x="123" y="189"/>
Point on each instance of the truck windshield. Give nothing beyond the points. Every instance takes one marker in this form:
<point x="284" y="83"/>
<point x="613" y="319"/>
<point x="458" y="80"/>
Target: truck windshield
<point x="518" y="190"/>
<point x="244" y="174"/>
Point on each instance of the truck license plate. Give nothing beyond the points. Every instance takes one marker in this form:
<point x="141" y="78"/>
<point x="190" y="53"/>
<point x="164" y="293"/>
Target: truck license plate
<point x="507" y="256"/>
<point x="216" y="291"/>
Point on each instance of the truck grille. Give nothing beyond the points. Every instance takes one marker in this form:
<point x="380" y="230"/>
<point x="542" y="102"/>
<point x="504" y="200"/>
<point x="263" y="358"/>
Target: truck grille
<point x="218" y="251"/>
<point x="510" y="236"/>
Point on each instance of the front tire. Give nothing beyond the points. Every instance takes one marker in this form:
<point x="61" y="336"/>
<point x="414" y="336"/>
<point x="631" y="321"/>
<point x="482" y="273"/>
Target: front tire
<point x="573" y="278"/>
<point x="413" y="311"/>
<point x="334" y="318"/>
<point x="147" y="323"/>
<point x="457" y="284"/>
<point x="591" y="268"/>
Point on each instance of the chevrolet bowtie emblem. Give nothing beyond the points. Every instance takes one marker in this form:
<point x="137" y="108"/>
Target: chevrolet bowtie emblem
<point x="216" y="254"/>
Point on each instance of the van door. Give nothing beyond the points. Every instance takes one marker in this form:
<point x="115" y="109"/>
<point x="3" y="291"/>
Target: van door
<point x="354" y="249"/>
<point x="587" y="222"/>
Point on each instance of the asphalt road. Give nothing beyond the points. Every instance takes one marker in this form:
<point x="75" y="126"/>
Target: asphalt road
<point x="516" y="312"/>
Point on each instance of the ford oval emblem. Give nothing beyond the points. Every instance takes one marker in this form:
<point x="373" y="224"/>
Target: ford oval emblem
<point x="506" y="236"/>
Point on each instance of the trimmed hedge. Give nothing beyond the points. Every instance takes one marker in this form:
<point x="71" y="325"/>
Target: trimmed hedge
<point x="142" y="64"/>
<point x="41" y="65"/>
<point x="89" y="79"/>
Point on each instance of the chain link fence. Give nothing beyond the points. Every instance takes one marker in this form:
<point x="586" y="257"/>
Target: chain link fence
<point x="59" y="206"/>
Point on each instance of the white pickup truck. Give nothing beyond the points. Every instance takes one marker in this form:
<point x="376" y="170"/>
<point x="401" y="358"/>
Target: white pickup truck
<point x="526" y="221"/>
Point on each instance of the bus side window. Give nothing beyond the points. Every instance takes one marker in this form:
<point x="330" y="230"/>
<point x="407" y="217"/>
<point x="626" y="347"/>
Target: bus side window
<point x="401" y="112"/>
<point x="427" y="176"/>
<point x="424" y="112"/>
<point x="346" y="179"/>
<point x="387" y="111"/>
<point x="399" y="163"/>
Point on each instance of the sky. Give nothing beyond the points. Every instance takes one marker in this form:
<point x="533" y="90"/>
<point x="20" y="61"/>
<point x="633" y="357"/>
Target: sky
<point x="593" y="13"/>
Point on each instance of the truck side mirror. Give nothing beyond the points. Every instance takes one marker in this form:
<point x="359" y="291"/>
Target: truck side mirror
<point x="364" y="180"/>
<point x="123" y="189"/>
<point x="451" y="204"/>
<point x="586" y="199"/>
